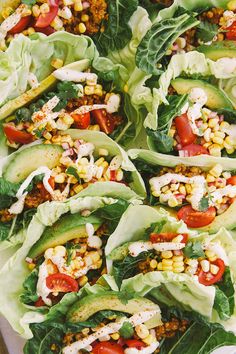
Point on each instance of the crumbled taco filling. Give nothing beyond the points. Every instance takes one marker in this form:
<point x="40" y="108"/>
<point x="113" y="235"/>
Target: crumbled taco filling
<point x="201" y="126"/>
<point x="47" y="16"/>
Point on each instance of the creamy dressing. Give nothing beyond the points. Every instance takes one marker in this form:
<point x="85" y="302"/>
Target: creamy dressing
<point x="46" y="113"/>
<point x="42" y="290"/>
<point x="18" y="206"/>
<point x="65" y="74"/>
<point x="135" y="320"/>
<point x="111" y="106"/>
<point x="93" y="241"/>
<point x="198" y="98"/>
<point x="143" y="246"/>
<point x="9" y="23"/>
<point x="217" y="249"/>
<point x="32" y="80"/>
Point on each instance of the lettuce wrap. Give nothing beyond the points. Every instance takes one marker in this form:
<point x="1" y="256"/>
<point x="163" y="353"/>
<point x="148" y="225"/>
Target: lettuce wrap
<point x="200" y="204"/>
<point x="81" y="214"/>
<point x="182" y="27"/>
<point x="29" y="175"/>
<point x="132" y="264"/>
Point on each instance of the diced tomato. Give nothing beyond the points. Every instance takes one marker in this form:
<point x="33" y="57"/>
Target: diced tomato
<point x="44" y="193"/>
<point x="166" y="237"/>
<point x="61" y="283"/>
<point x="21" y="25"/>
<point x="232" y="180"/>
<point x="113" y="175"/>
<point x="44" y="20"/>
<point x="184" y="130"/>
<point x="17" y="136"/>
<point x="107" y="348"/>
<point x="39" y="302"/>
<point x="231" y="32"/>
<point x="81" y="121"/>
<point x="209" y="278"/>
<point x="135" y="343"/>
<point x="104" y="120"/>
<point x="194" y="150"/>
<point x="46" y="30"/>
<point x="194" y="218"/>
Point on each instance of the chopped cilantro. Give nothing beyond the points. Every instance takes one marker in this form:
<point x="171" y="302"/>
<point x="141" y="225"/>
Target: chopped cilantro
<point x="70" y="247"/>
<point x="73" y="172"/>
<point x="194" y="250"/>
<point x="126" y="331"/>
<point x="203" y="204"/>
<point x="206" y="31"/>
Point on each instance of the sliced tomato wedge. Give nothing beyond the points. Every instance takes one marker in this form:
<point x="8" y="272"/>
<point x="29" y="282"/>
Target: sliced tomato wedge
<point x="39" y="302"/>
<point x="107" y="348"/>
<point x="166" y="237"/>
<point x="46" y="30"/>
<point x="104" y="120"/>
<point x="194" y="150"/>
<point x="231" y="32"/>
<point x="44" y="20"/>
<point x="21" y="25"/>
<point x="81" y="121"/>
<point x="184" y="130"/>
<point x="194" y="218"/>
<point x="61" y="283"/>
<point x="232" y="180"/>
<point x="113" y="175"/>
<point x="135" y="343"/>
<point x="17" y="136"/>
<point x="209" y="278"/>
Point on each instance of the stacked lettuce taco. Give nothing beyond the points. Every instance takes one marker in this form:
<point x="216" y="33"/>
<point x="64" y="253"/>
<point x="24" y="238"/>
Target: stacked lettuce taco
<point x="206" y="26"/>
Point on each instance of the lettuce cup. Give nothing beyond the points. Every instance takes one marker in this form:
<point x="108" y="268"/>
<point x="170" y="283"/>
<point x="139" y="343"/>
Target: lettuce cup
<point x="85" y="163"/>
<point x="63" y="251"/>
<point x="187" y="269"/>
<point x="208" y="186"/>
<point x="208" y="27"/>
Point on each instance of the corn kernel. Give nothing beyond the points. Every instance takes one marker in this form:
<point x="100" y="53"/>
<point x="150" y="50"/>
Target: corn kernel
<point x="231" y="5"/>
<point x="210" y="178"/>
<point x="217" y="140"/>
<point x="167" y="254"/>
<point x="60" y="178"/>
<point x="89" y="90"/>
<point x="85" y="18"/>
<point x="216" y="170"/>
<point x="181" y="42"/>
<point x="82" y="27"/>
<point x="178" y="264"/>
<point x="115" y="336"/>
<point x="229" y="141"/>
<point x="30" y="30"/>
<point x="178" y="269"/>
<point x="98" y="92"/>
<point x="65" y="13"/>
<point x="230" y="151"/>
<point x="153" y="264"/>
<point x="159" y="266"/>
<point x="44" y="8"/>
<point x="173" y="202"/>
<point x="220" y="135"/>
<point x="78" y="188"/>
<point x="178" y="258"/>
<point x="167" y="262"/>
<point x="214" y="269"/>
<point x="68" y="2"/>
<point x="212" y="259"/>
<point x="57" y="24"/>
<point x="205" y="265"/>
<point x="57" y="63"/>
<point x="83" y="280"/>
<point x="182" y="190"/>
<point x="31" y="266"/>
<point x="188" y="188"/>
<point x="78" y="5"/>
<point x="142" y="331"/>
<point x="213" y="122"/>
<point x="215" y="150"/>
<point x="119" y="175"/>
<point x="207" y="135"/>
<point x="149" y="339"/>
<point x="209" y="254"/>
<point x="99" y="161"/>
<point x="36" y="11"/>
<point x="94" y="255"/>
<point x="94" y="127"/>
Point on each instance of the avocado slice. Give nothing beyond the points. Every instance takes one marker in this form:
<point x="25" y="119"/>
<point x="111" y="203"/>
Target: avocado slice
<point x="119" y="253"/>
<point x="29" y="159"/>
<point x="216" y="97"/>
<point x="27" y="97"/>
<point x="218" y="50"/>
<point x="67" y="228"/>
<point x="83" y="309"/>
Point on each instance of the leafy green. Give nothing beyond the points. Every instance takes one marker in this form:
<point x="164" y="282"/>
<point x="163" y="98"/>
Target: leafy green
<point x="229" y="115"/>
<point x="117" y="30"/>
<point x="70" y="248"/>
<point x="73" y="172"/>
<point x="155" y="227"/>
<point x="206" y="31"/>
<point x="203" y="204"/>
<point x="4" y="231"/>
<point x="29" y="2"/>
<point x="144" y="167"/>
<point x="112" y="213"/>
<point x="194" y="250"/>
<point x="159" y="39"/>
<point x="23" y="115"/>
<point x="126" y="331"/>
<point x="221" y="305"/>
<point x="161" y="140"/>
<point x="227" y="287"/>
<point x="29" y="294"/>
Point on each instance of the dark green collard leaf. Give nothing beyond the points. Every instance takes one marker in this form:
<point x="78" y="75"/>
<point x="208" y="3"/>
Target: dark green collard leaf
<point x="143" y="167"/>
<point x="29" y="294"/>
<point x="161" y="140"/>
<point x="227" y="287"/>
<point x="117" y="31"/>
<point x="166" y="113"/>
<point x="206" y="31"/>
<point x="159" y="39"/>
<point x="112" y="213"/>
<point x="194" y="250"/>
<point x="4" y="231"/>
<point x="221" y="304"/>
<point x="8" y="188"/>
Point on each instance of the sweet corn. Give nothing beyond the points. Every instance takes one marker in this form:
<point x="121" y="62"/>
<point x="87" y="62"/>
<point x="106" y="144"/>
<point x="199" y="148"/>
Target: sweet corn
<point x="178" y="269"/>
<point x="57" y="24"/>
<point x="57" y="63"/>
<point x="167" y="254"/>
<point x="178" y="258"/>
<point x="95" y="256"/>
<point x="218" y="140"/>
<point x="159" y="266"/>
<point x="207" y="134"/>
<point x="65" y="13"/>
<point x="209" y="254"/>
<point x="231" y="5"/>
<point x="165" y="189"/>
<point x="173" y="202"/>
<point x="60" y="178"/>
<point x="85" y="18"/>
<point x="181" y="42"/>
<point x="220" y="134"/>
<point x="229" y="141"/>
<point x="98" y="92"/>
<point x="216" y="170"/>
<point x="36" y="11"/>
<point x="213" y="122"/>
<point x="188" y="188"/>
<point x="83" y="280"/>
<point x="142" y="331"/>
<point x="30" y="30"/>
<point x="205" y="265"/>
<point x="47" y="135"/>
<point x="153" y="264"/>
<point x="82" y="27"/>
<point x="230" y="151"/>
<point x="182" y="190"/>
<point x="31" y="266"/>
<point x="210" y="178"/>
<point x="178" y="264"/>
<point x="78" y="5"/>
<point x="103" y="152"/>
<point x="94" y="127"/>
<point x="89" y="90"/>
<point x="78" y="188"/>
<point x="149" y="339"/>
<point x="215" y="150"/>
<point x="214" y="269"/>
<point x="115" y="336"/>
<point x="100" y="161"/>
<point x="167" y="262"/>
<point x="44" y="8"/>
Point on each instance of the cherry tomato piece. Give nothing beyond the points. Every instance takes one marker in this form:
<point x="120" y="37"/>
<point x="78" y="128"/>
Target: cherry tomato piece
<point x="166" y="237"/>
<point x="61" y="283"/>
<point x="17" y="136"/>
<point x="44" y="20"/>
<point x="21" y="25"/>
<point x="46" y="30"/>
<point x="39" y="302"/>
<point x="194" y="150"/>
<point x="232" y="180"/>
<point x="231" y="32"/>
<point x="208" y="278"/>
<point x="104" y="120"/>
<point x="194" y="218"/>
<point x="184" y="130"/>
<point x="107" y="348"/>
<point x="135" y="343"/>
<point x="81" y="121"/>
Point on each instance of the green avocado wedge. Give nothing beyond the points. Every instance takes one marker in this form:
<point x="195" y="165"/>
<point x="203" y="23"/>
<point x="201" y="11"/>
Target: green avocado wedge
<point x="67" y="228"/>
<point x="216" y="98"/>
<point x="218" y="50"/>
<point x="83" y="309"/>
<point x="29" y="159"/>
<point x="11" y="106"/>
